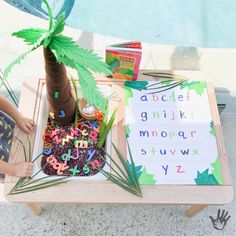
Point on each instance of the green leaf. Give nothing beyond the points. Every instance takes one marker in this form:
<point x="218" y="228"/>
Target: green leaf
<point x="60" y="24"/>
<point x="197" y="86"/>
<point x="131" y="179"/>
<point x="116" y="181"/>
<point x="138" y="169"/>
<point x="104" y="134"/>
<point x="32" y="181"/>
<point x="49" y="14"/>
<point x="146" y="178"/>
<point x="217" y="171"/>
<point x="128" y="95"/>
<point x="37" y="157"/>
<point x="133" y="168"/>
<point x="138" y="85"/>
<point x="29" y="148"/>
<point x="164" y="88"/>
<point x="128" y="176"/>
<point x="90" y="91"/>
<point x="212" y="129"/>
<point x="31" y="35"/>
<point x="118" y="167"/>
<point x="76" y="99"/>
<point x="103" y="123"/>
<point x="205" y="178"/>
<point x="37" y="187"/>
<point x="57" y="28"/>
<point x="119" y="175"/>
<point x="127" y="131"/>
<point x="166" y="76"/>
<point x="22" y="144"/>
<point x="68" y="53"/>
<point x="12" y="64"/>
<point x="20" y="58"/>
<point x="65" y="49"/>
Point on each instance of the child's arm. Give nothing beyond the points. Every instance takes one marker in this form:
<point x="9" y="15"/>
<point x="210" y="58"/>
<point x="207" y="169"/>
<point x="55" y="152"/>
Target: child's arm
<point x="25" y="124"/>
<point x="21" y="169"/>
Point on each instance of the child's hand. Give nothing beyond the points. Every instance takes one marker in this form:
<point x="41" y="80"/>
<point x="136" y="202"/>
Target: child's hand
<point x="25" y="124"/>
<point x="22" y="169"/>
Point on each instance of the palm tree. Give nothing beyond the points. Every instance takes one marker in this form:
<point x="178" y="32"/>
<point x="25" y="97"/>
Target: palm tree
<point x="60" y="51"/>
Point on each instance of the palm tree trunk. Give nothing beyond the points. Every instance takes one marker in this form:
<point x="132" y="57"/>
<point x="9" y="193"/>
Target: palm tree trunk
<point x="61" y="102"/>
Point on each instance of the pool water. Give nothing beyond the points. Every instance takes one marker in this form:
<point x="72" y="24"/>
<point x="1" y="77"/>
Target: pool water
<point x="197" y="23"/>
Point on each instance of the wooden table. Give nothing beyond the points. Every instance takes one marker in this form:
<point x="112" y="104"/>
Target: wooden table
<point x="199" y="196"/>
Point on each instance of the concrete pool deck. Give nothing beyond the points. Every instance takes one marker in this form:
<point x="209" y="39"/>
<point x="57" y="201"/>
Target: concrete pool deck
<point x="218" y="65"/>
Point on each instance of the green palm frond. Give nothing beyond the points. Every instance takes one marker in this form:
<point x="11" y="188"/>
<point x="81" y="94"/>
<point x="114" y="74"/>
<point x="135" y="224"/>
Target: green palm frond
<point x="105" y="128"/>
<point x="60" y="24"/>
<point x="12" y="64"/>
<point x="67" y="52"/>
<point x="49" y="14"/>
<point x="124" y="176"/>
<point x="65" y="47"/>
<point x="84" y="61"/>
<point x="56" y="29"/>
<point x="18" y="60"/>
<point x="76" y="98"/>
<point x="89" y="89"/>
<point x="31" y="35"/>
<point x="34" y="187"/>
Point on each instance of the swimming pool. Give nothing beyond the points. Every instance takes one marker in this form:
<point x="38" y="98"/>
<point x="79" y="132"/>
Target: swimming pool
<point x="197" y="23"/>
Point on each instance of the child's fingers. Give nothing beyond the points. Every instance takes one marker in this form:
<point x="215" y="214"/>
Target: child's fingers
<point x="29" y="125"/>
<point x="27" y="169"/>
<point x="26" y="129"/>
<point x="30" y="164"/>
<point x="32" y="122"/>
<point x="28" y="174"/>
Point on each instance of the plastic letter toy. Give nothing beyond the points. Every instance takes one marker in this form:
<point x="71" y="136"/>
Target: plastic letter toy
<point x="52" y="115"/>
<point x="47" y="151"/>
<point x="56" y="95"/>
<point x="62" y="113"/>
<point x="86" y="169"/>
<point x="74" y="170"/>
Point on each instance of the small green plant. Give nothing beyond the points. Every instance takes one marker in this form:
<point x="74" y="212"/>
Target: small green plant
<point x="105" y="127"/>
<point x="125" y="176"/>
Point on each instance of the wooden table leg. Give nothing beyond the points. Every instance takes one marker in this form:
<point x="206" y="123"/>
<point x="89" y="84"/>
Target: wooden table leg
<point x="35" y="208"/>
<point x="194" y="209"/>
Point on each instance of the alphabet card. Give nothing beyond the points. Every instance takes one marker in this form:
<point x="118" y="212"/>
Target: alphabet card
<point x="170" y="130"/>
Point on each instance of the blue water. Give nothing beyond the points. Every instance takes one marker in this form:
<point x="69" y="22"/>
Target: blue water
<point x="204" y="23"/>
